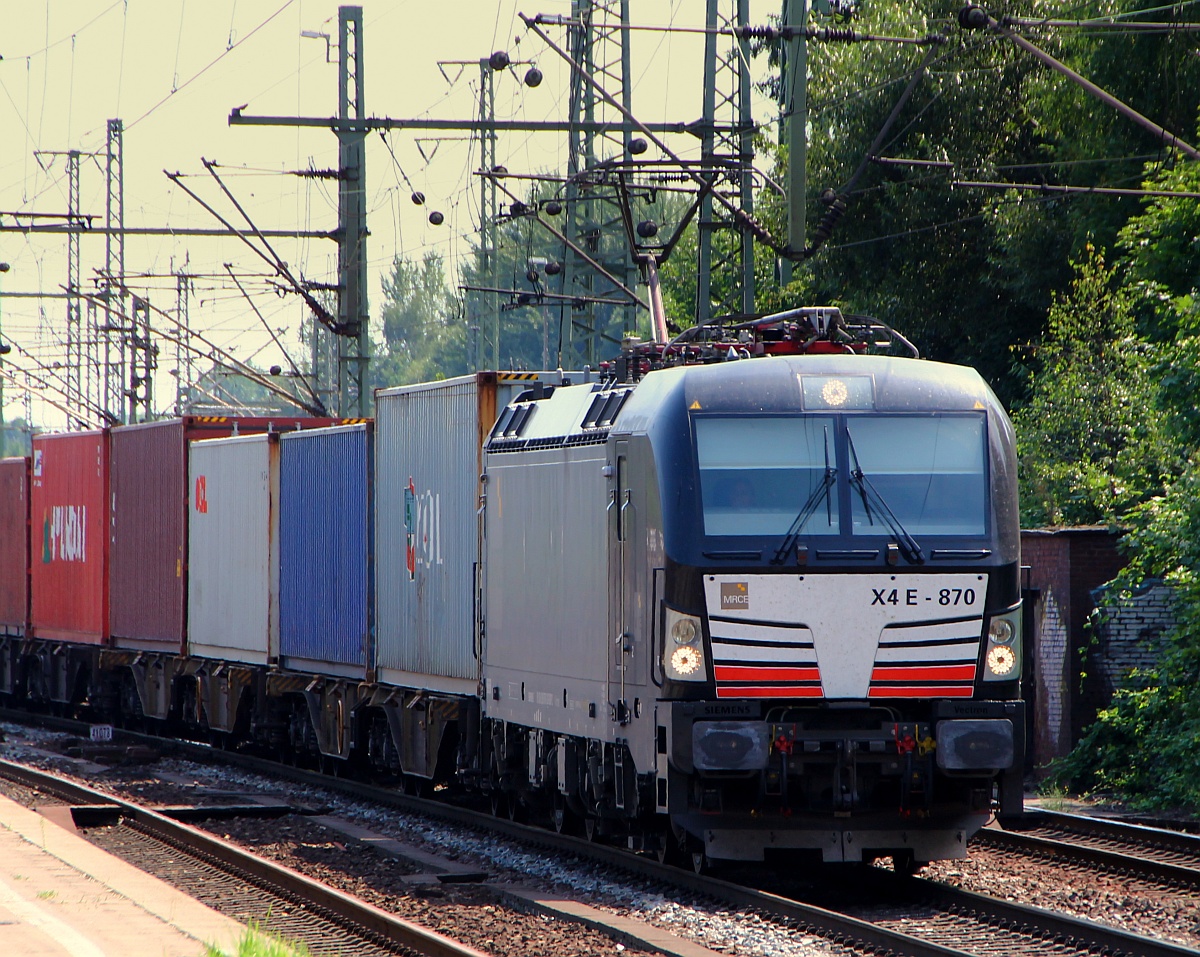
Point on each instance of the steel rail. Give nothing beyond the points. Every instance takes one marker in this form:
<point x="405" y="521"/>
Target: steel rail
<point x="995" y="915"/>
<point x="359" y="914"/>
<point x="1131" y="859"/>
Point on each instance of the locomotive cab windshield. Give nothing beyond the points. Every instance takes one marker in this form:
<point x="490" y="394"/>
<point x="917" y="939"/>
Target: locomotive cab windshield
<point x="854" y="477"/>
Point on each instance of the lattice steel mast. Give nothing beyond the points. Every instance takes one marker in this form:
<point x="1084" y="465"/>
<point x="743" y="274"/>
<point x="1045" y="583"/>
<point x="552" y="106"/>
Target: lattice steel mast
<point x="727" y="156"/>
<point x="598" y="40"/>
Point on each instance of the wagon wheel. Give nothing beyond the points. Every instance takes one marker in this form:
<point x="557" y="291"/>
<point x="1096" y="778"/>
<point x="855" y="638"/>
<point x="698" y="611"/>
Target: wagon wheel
<point x="669" y="849"/>
<point x="905" y="863"/>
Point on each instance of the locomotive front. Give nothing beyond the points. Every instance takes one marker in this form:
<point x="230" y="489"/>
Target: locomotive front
<point x="840" y="624"/>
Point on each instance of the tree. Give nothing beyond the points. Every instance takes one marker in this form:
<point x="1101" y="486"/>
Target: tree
<point x="1146" y="745"/>
<point x="423" y="333"/>
<point x="1091" y="440"/>
<point x="966" y="273"/>
<point x="14" y="438"/>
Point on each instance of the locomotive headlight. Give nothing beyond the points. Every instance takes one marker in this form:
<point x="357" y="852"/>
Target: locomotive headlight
<point x="835" y="393"/>
<point x="684" y="631"/>
<point x="683" y="655"/>
<point x="1002" y="659"/>
<point x="686" y="661"/>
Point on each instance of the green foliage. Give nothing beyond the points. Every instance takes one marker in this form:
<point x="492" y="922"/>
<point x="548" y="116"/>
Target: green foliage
<point x="258" y="942"/>
<point x="219" y="388"/>
<point x="1090" y="439"/>
<point x="1146" y="746"/>
<point x="424" y="336"/>
<point x="967" y="272"/>
<point x="14" y="438"/>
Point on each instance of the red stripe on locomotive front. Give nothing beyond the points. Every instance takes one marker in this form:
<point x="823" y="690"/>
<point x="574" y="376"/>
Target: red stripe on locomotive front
<point x="925" y="673"/>
<point x="781" y="692"/>
<point x="964" y="691"/>
<point x="748" y="673"/>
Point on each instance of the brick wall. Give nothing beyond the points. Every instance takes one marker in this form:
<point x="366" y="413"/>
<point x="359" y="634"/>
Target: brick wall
<point x="1129" y="636"/>
<point x="1051" y="681"/>
<point x="1065" y="567"/>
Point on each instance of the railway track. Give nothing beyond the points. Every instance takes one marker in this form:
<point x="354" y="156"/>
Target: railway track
<point x="920" y="917"/>
<point x="1132" y="850"/>
<point x="235" y="882"/>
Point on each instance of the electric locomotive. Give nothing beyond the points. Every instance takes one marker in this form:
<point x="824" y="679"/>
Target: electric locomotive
<point x="753" y="605"/>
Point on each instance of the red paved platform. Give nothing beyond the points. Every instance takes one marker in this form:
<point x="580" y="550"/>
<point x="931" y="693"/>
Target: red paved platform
<point x="61" y="896"/>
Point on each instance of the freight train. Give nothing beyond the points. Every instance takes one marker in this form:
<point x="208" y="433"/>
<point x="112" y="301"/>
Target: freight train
<point x="752" y="592"/>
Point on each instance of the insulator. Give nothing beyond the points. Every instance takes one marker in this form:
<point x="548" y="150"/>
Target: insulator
<point x="418" y="198"/>
<point x="533" y="77"/>
<point x="972" y="17"/>
<point x="553" y="208"/>
<point x="276" y="370"/>
<point x="757" y="33"/>
<point x="825" y="228"/>
<point x="436" y="218"/>
<point x="498" y="60"/>
<point x="531" y="275"/>
<point x="500" y="169"/>
<point x="637" y="146"/>
<point x="834" y="35"/>
<point x="553" y="269"/>
<point x="647" y="229"/>
<point x="517" y="208"/>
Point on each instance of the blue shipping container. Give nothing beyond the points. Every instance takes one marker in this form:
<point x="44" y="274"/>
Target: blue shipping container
<point x="325" y="534"/>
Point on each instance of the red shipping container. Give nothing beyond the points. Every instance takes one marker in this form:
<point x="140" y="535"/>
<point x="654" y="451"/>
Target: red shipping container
<point x="148" y="544"/>
<point x="14" y="546"/>
<point x="69" y="541"/>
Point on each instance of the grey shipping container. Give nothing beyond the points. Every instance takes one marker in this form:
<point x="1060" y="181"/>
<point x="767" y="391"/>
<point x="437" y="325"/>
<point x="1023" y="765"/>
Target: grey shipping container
<point x="324" y="550"/>
<point x="428" y="458"/>
<point x="233" y="554"/>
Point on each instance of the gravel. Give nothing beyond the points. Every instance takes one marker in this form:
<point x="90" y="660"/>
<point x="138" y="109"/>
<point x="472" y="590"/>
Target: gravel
<point x="479" y="914"/>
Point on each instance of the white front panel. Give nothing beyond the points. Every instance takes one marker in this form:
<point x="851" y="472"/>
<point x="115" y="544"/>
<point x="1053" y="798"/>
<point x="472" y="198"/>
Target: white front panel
<point x="845" y="636"/>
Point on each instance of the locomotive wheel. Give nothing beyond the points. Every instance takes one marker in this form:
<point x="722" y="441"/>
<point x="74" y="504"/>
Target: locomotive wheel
<point x="669" y="849"/>
<point x="905" y="863"/>
<point x="562" y="817"/>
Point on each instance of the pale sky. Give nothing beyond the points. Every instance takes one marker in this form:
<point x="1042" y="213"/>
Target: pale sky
<point x="173" y="70"/>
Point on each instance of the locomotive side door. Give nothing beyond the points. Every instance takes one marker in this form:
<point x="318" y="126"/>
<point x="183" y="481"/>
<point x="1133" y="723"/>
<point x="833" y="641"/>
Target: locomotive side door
<point x="628" y="621"/>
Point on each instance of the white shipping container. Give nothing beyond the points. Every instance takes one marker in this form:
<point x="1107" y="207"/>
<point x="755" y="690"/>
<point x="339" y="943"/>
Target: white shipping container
<point x="233" y="558"/>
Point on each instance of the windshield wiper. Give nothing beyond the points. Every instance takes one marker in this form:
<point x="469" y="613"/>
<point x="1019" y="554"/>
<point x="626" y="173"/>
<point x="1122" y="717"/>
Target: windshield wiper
<point x="819" y="494"/>
<point x="908" y="545"/>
